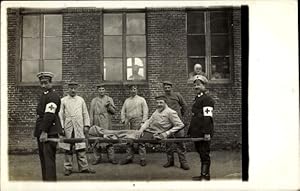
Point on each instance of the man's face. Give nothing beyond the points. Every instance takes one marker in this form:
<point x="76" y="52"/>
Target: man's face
<point x="133" y="91"/>
<point x="101" y="91"/>
<point x="167" y="88"/>
<point x="160" y="104"/>
<point x="45" y="84"/>
<point x="135" y="69"/>
<point x="198" y="69"/>
<point x="199" y="87"/>
<point x="72" y="90"/>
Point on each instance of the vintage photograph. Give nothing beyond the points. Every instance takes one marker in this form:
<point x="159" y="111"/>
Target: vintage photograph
<point x="124" y="94"/>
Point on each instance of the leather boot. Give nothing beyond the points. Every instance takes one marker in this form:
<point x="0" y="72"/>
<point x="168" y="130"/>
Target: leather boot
<point x="205" y="172"/>
<point x="170" y="162"/>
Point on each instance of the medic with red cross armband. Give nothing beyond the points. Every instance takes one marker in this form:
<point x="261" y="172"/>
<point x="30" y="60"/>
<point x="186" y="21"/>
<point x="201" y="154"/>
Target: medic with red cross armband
<point x="201" y="124"/>
<point x="47" y="126"/>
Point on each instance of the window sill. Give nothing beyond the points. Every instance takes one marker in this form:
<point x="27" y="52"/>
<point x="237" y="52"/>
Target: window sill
<point x="124" y="83"/>
<point x="28" y="84"/>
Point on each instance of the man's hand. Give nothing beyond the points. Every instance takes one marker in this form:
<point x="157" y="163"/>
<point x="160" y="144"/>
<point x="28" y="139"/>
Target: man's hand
<point x="107" y="103"/>
<point x="207" y="137"/>
<point x="63" y="133"/>
<point x="139" y="134"/>
<point x="160" y="136"/>
<point x="43" y="136"/>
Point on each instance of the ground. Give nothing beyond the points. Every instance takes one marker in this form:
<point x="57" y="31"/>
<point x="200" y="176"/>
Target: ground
<point x="225" y="165"/>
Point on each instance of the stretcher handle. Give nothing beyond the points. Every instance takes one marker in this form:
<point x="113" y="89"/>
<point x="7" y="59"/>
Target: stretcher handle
<point x="103" y="140"/>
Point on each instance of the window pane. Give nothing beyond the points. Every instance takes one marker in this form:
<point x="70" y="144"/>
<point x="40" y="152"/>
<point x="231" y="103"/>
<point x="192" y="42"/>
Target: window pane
<point x="195" y="23"/>
<point x="193" y="61"/>
<point x="29" y="71"/>
<point x="219" y="22"/>
<point x="136" y="46"/>
<point x="196" y="45"/>
<point x="219" y="45"/>
<point x="31" y="49"/>
<point x="54" y="66"/>
<point x="112" y="46"/>
<point x="31" y="26"/>
<point x="112" y="24"/>
<point x="135" y="23"/>
<point x="53" y="48"/>
<point x="220" y="68"/>
<point x="136" y="69"/>
<point x="113" y="69"/>
<point x="53" y="25"/>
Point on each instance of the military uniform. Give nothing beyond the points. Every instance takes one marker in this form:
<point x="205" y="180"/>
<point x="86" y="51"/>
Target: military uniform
<point x="48" y="122"/>
<point x="176" y="102"/>
<point x="100" y="115"/>
<point x="202" y="124"/>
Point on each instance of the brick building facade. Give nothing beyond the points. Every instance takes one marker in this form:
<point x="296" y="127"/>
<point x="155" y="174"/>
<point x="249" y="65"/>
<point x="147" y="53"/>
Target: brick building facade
<point x="82" y="58"/>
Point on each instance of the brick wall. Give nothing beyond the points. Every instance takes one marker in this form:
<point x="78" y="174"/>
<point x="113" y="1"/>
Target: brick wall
<point x="82" y="58"/>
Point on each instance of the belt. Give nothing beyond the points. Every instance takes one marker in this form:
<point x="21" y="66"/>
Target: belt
<point x="197" y="114"/>
<point x="53" y="136"/>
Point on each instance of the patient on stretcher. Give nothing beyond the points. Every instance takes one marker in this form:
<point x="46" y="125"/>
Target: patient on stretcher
<point x="96" y="131"/>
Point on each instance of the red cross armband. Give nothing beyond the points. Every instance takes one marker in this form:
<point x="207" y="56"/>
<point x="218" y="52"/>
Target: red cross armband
<point x="208" y="111"/>
<point x="50" y="108"/>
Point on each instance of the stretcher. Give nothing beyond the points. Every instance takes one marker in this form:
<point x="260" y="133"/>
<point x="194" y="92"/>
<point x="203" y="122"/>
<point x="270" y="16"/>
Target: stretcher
<point x="100" y="135"/>
<point x="126" y="140"/>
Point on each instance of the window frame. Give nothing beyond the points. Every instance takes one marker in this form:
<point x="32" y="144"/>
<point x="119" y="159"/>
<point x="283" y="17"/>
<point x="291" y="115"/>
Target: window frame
<point x="208" y="34"/>
<point x="40" y="13"/>
<point x="124" y="80"/>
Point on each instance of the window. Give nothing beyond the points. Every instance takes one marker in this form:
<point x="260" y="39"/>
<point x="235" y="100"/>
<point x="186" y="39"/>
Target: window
<point x="209" y="43"/>
<point x="124" y="47"/>
<point x="41" y="48"/>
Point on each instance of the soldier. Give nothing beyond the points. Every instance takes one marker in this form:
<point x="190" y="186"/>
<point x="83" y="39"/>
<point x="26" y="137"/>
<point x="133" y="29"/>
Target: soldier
<point x="101" y="110"/>
<point x="47" y="126"/>
<point x="75" y="121"/>
<point x="164" y="122"/>
<point x="202" y="124"/>
<point x="176" y="102"/>
<point x="134" y="113"/>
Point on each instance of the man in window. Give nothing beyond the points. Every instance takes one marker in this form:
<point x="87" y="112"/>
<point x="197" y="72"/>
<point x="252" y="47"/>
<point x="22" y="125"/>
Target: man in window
<point x="47" y="126"/>
<point x="176" y="102"/>
<point x="202" y="125"/>
<point x="135" y="73"/>
<point x="101" y="110"/>
<point x="197" y="71"/>
<point x="75" y="121"/>
<point x="134" y="113"/>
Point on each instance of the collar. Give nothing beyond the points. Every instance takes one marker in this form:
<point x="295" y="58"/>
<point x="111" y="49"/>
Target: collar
<point x="199" y="95"/>
<point x="48" y="91"/>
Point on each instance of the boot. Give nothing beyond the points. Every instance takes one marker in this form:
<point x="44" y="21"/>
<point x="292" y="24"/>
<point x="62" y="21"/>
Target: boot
<point x="184" y="166"/>
<point x="205" y="172"/>
<point x="170" y="161"/>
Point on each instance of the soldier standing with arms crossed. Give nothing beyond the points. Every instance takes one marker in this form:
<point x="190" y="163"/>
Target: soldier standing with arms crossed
<point x="101" y="110"/>
<point x="47" y="126"/>
<point x="134" y="113"/>
<point x="176" y="102"/>
<point x="202" y="124"/>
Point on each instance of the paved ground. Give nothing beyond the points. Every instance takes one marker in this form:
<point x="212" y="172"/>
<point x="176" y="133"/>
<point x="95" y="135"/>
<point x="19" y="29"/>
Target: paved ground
<point x="225" y="165"/>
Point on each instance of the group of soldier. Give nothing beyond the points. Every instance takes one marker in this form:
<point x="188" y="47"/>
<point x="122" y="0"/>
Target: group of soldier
<point x="70" y="118"/>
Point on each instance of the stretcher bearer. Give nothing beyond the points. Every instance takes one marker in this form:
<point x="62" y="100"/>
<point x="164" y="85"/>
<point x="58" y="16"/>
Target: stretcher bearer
<point x="202" y="124"/>
<point x="47" y="126"/>
<point x="134" y="113"/>
<point x="164" y="122"/>
<point x="75" y="122"/>
<point x="176" y="102"/>
<point x="101" y="110"/>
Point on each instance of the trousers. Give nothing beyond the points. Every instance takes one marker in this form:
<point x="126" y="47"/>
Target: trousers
<point x="47" y="155"/>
